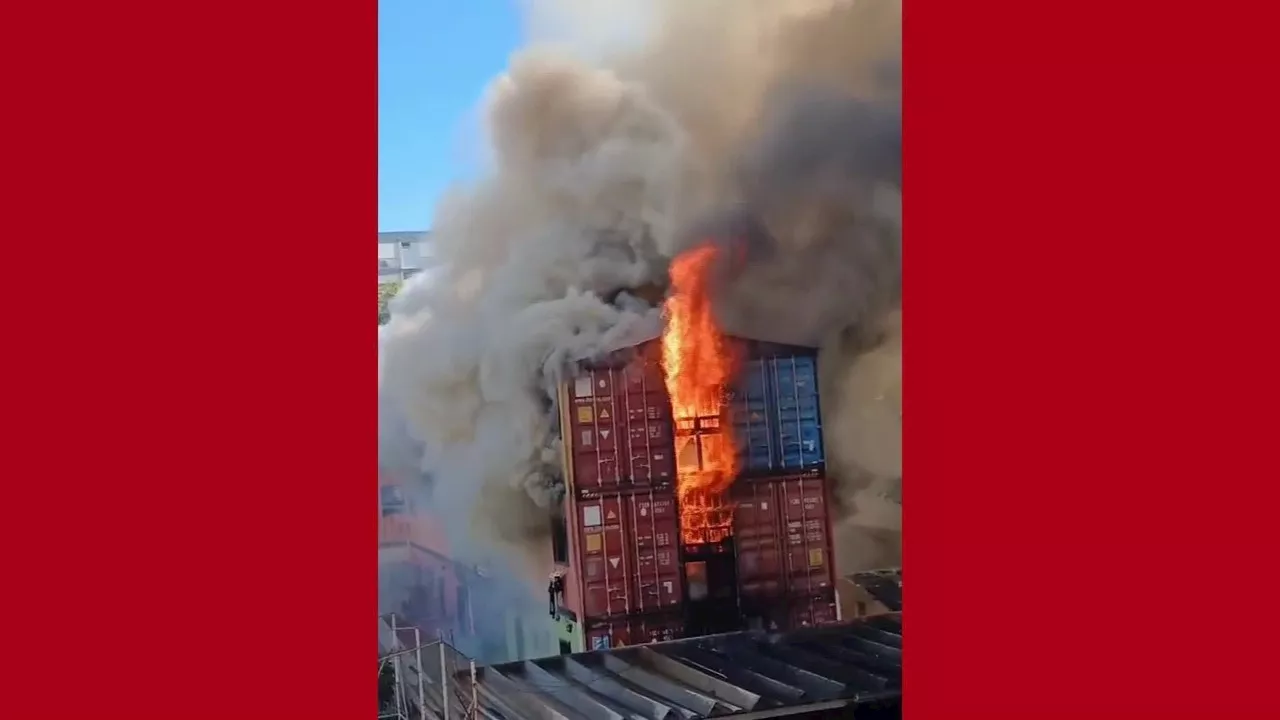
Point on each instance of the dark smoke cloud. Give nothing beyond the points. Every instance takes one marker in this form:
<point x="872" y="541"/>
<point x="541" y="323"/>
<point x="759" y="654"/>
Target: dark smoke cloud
<point x="818" y="188"/>
<point x="815" y="197"/>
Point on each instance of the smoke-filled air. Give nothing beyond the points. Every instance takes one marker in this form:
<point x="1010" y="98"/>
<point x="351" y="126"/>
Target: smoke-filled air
<point x="640" y="130"/>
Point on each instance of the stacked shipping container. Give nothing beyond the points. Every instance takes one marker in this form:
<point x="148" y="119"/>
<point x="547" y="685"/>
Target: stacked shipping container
<point x="624" y="575"/>
<point x="625" y="527"/>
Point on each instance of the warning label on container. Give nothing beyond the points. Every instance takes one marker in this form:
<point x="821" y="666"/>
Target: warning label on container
<point x="582" y="387"/>
<point x="600" y="642"/>
<point x="585" y="415"/>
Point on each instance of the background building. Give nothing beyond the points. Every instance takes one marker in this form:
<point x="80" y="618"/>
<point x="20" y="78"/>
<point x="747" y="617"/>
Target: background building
<point x="869" y="593"/>
<point x="471" y="607"/>
<point x="402" y="255"/>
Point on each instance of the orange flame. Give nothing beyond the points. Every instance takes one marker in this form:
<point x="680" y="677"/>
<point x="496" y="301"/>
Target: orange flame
<point x="698" y="365"/>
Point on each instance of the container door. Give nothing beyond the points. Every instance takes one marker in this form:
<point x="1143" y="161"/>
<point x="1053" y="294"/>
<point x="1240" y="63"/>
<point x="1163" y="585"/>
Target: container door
<point x="656" y="529"/>
<point x="604" y="552"/>
<point x="647" y="421"/>
<point x="799" y="427"/>
<point x="808" y="544"/>
<point x="594" y="425"/>
<point x="758" y="542"/>
<point x="629" y="560"/>
<point x="753" y="419"/>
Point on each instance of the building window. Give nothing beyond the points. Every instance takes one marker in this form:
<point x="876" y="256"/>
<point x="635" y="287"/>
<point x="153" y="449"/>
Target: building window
<point x="386" y="251"/>
<point x="559" y="540"/>
<point x="565" y="648"/>
<point x="392" y="500"/>
<point x="410" y="258"/>
<point x="406" y="245"/>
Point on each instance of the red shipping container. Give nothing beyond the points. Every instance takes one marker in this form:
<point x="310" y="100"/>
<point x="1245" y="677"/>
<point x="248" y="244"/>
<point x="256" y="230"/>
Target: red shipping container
<point x="795" y="613"/>
<point x="629" y="554"/>
<point x="814" y="612"/>
<point x="782" y="536"/>
<point x="634" y="631"/>
<point x="620" y="428"/>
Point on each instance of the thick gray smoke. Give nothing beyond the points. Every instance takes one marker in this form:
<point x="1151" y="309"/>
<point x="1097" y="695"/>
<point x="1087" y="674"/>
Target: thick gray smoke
<point x="702" y="118"/>
<point x="402" y="585"/>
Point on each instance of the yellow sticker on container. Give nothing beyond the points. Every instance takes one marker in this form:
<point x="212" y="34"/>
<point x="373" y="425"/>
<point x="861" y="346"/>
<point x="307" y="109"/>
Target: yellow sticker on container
<point x="815" y="557"/>
<point x="594" y="543"/>
<point x="584" y="414"/>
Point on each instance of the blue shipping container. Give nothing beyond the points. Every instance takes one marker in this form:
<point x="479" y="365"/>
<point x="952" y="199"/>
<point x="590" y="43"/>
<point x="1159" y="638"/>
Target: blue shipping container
<point x="775" y="415"/>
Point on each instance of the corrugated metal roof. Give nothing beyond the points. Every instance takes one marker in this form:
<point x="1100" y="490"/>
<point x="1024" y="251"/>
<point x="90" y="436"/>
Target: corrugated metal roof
<point x="740" y="675"/>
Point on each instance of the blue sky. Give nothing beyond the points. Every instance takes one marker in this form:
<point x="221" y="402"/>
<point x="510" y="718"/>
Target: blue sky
<point x="435" y="57"/>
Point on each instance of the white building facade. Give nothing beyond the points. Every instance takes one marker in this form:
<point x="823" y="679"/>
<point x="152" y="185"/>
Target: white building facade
<point x="402" y="255"/>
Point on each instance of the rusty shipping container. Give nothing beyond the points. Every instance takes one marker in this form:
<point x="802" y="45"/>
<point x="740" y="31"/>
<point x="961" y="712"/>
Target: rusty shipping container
<point x="782" y="538"/>
<point x="625" y="576"/>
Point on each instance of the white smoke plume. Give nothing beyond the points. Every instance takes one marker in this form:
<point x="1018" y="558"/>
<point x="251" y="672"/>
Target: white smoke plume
<point x="609" y="157"/>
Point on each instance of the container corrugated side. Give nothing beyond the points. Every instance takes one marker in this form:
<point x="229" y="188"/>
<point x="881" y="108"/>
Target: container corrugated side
<point x="629" y="561"/>
<point x="619" y="435"/>
<point x="775" y="412"/>
<point x="795" y="384"/>
<point x="782" y="537"/>
<point x="621" y="499"/>
<point x="636" y="630"/>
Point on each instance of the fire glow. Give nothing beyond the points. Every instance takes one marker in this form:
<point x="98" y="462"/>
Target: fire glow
<point x="698" y="364"/>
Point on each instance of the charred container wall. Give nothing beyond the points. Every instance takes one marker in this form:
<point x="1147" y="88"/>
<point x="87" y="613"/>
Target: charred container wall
<point x="624" y="570"/>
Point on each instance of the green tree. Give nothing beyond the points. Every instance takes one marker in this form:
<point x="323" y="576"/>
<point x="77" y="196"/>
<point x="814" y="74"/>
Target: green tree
<point x="386" y="291"/>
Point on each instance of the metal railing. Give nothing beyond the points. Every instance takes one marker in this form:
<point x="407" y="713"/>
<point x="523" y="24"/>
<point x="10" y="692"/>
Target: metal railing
<point x="427" y="678"/>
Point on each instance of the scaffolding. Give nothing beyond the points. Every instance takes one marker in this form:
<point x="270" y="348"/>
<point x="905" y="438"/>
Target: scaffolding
<point x="423" y="680"/>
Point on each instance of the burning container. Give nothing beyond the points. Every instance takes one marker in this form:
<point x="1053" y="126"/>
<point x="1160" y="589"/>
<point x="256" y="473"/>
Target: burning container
<point x="638" y="559"/>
